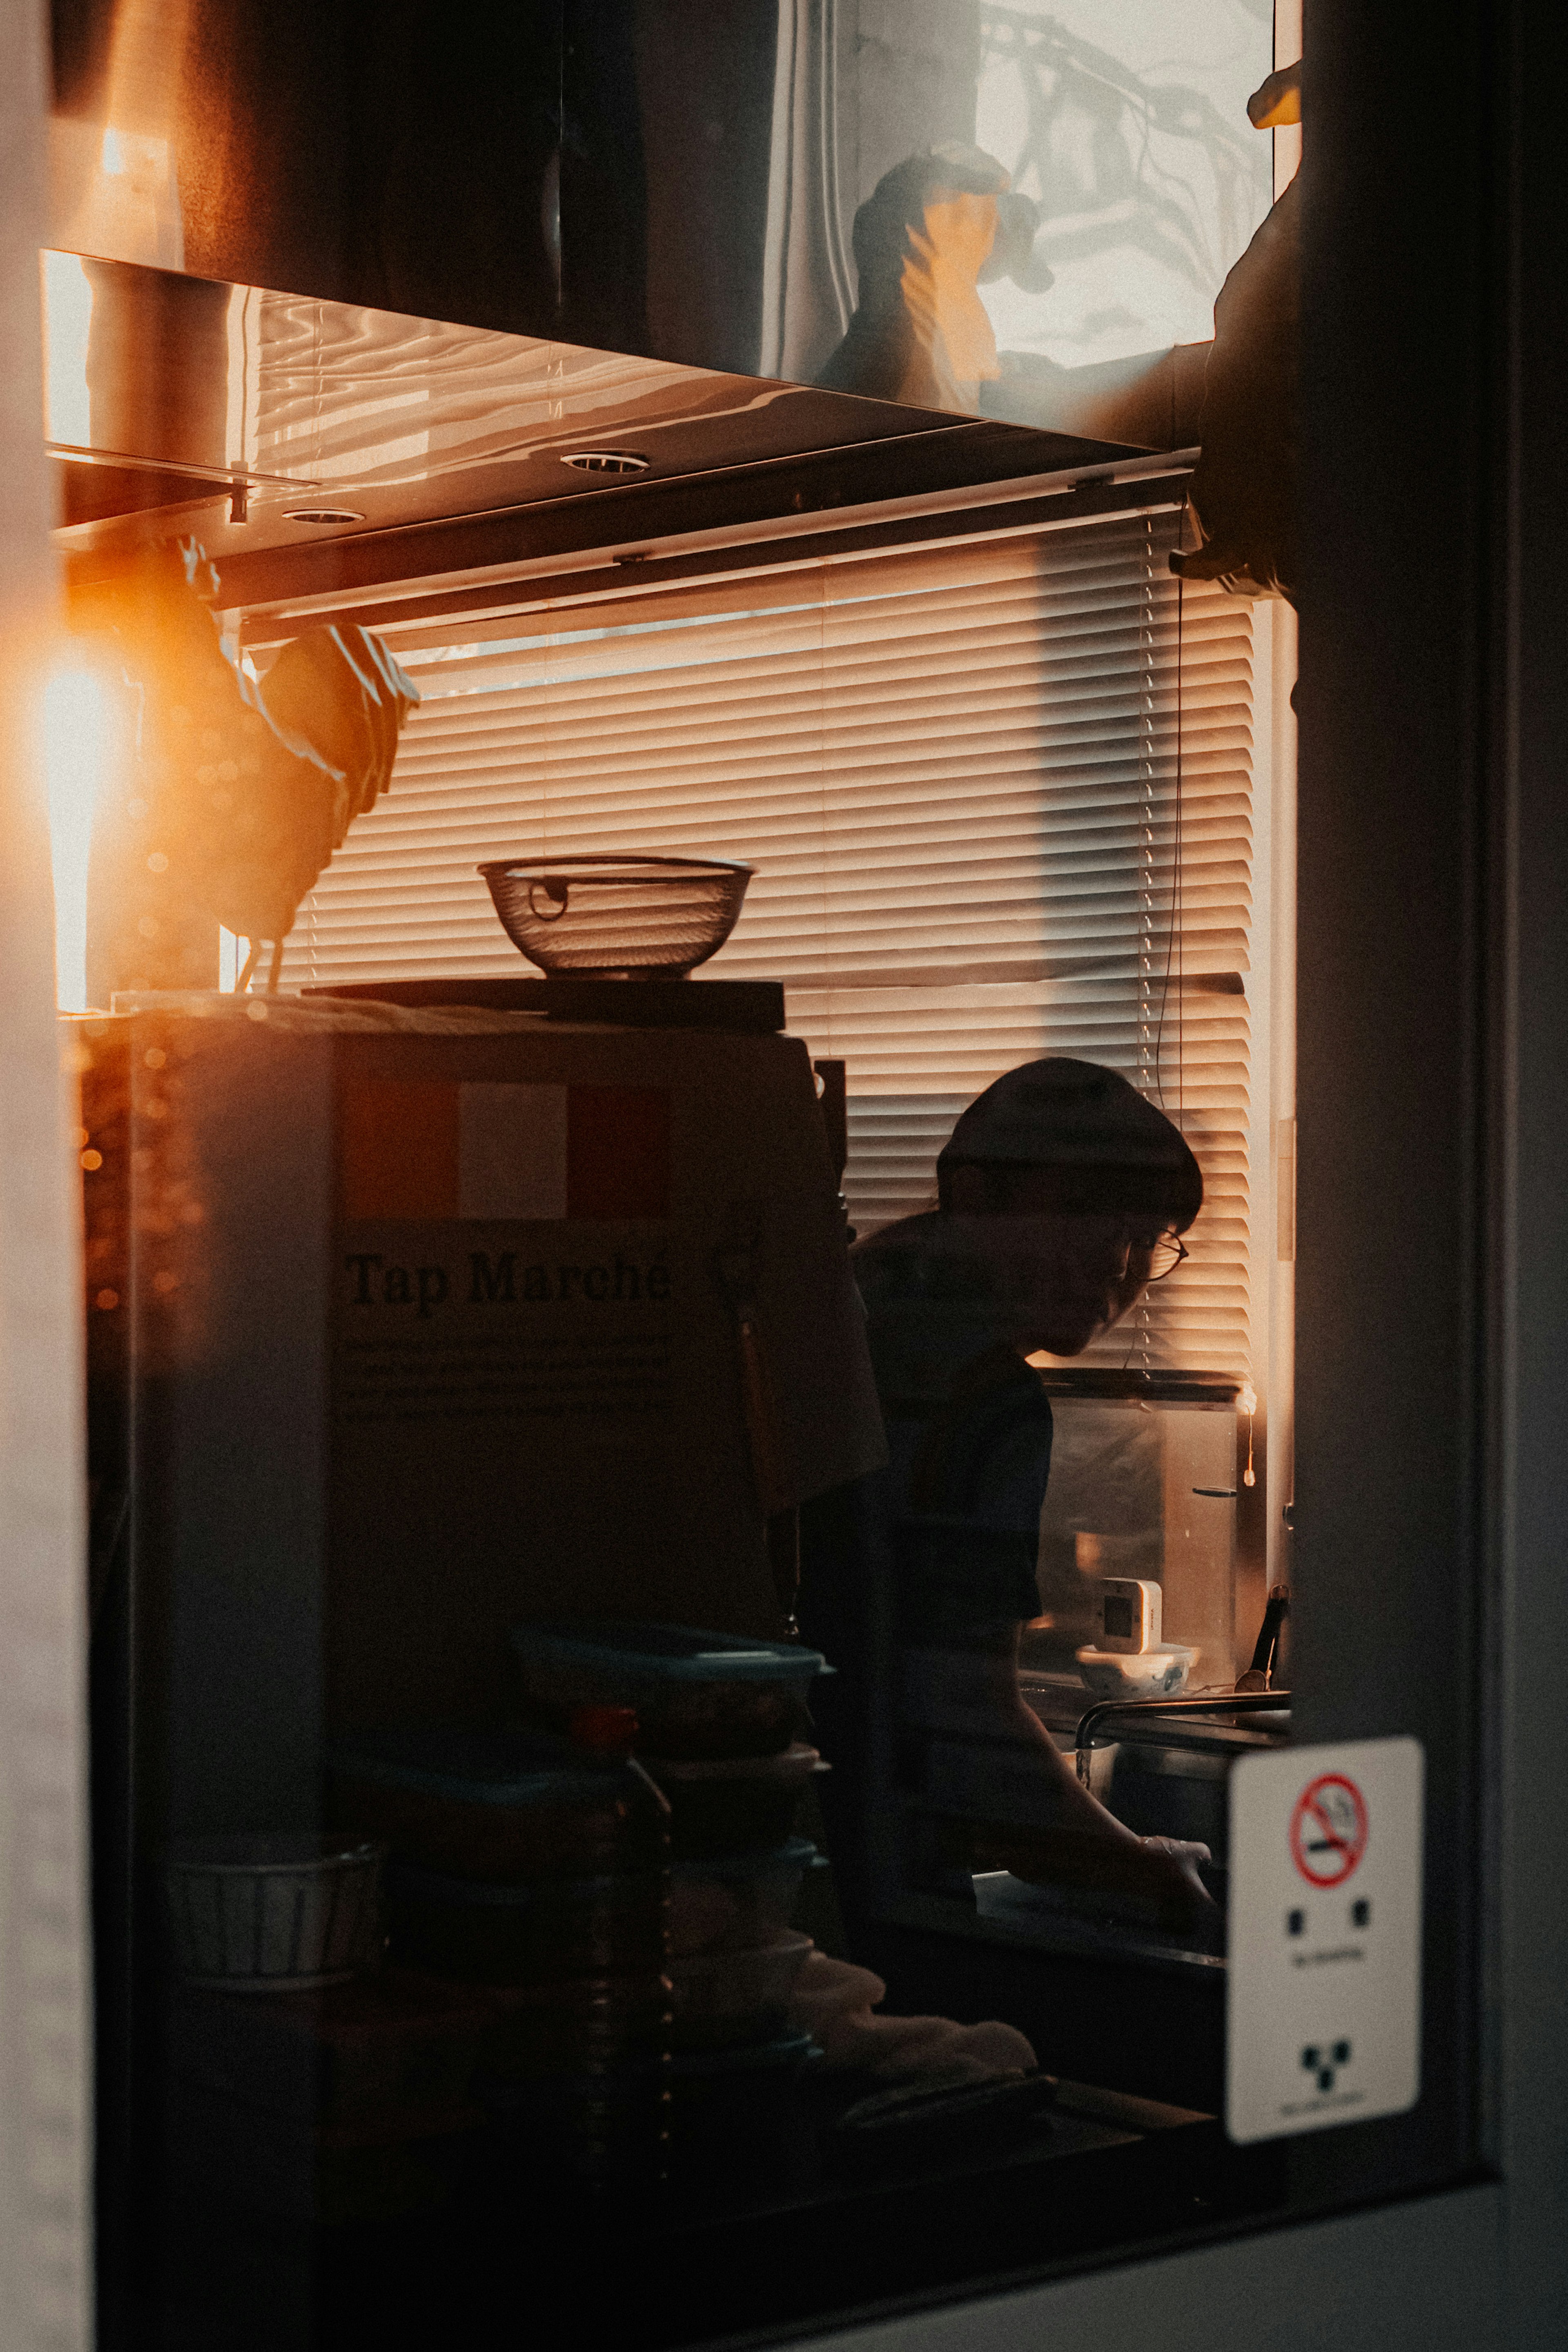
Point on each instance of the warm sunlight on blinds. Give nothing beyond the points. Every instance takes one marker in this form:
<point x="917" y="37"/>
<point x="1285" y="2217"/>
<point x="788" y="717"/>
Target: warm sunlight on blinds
<point x="956" y="772"/>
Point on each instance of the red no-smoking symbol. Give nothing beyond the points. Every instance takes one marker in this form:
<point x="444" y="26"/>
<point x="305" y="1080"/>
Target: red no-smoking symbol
<point x="1328" y="1829"/>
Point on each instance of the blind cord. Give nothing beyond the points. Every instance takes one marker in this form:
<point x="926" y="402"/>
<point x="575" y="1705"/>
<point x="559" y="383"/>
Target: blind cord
<point x="1175" y="952"/>
<point x="1174" y="942"/>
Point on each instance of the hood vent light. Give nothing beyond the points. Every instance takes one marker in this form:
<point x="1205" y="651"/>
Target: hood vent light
<point x="323" y="514"/>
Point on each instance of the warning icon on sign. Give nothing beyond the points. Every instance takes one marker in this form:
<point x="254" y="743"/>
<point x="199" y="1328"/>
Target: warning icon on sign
<point x="1328" y="1829"/>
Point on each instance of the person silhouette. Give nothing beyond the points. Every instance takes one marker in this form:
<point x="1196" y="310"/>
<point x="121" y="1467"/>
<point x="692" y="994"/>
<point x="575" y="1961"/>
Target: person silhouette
<point x="1062" y="1192"/>
<point x="933" y="230"/>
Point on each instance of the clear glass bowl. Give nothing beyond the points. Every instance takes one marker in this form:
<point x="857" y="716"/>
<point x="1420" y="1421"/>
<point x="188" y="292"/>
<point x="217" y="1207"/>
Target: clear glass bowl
<point x="617" y="918"/>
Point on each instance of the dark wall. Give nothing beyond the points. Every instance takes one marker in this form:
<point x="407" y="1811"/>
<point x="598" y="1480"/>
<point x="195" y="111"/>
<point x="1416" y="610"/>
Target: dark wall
<point x="705" y="73"/>
<point x="481" y="163"/>
<point x="394" y="153"/>
<point x="1404" y="533"/>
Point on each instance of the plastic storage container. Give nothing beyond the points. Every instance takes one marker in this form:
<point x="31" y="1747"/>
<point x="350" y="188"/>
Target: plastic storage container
<point x="279" y="1913"/>
<point x="481" y="1933"/>
<point x="224" y="2150"/>
<point x="737" y="2124"/>
<point x="504" y="1806"/>
<point x="696" y="1694"/>
<point x="735" y="1902"/>
<point x="605" y="2129"/>
<point x="533" y="1875"/>
<point x="725" y="1997"/>
<point x="378" y="2051"/>
<point x="571" y="2025"/>
<point x="733" y="1804"/>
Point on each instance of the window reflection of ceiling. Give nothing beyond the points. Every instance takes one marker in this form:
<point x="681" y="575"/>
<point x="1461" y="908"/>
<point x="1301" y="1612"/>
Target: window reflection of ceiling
<point x="1126" y="121"/>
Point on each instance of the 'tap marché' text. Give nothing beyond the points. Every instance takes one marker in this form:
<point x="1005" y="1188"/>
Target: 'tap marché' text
<point x="375" y="1280"/>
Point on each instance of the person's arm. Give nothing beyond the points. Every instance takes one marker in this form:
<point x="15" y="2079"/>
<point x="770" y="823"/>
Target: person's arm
<point x="1076" y="1841"/>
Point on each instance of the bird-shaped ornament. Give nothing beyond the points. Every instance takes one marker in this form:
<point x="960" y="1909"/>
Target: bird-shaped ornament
<point x="241" y="790"/>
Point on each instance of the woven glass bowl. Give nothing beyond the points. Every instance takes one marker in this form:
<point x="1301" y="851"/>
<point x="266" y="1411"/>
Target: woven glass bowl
<point x="610" y="917"/>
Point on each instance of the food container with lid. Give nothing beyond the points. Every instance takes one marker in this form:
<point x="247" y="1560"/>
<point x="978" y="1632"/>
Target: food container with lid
<point x="227" y="2151"/>
<point x="733" y="1804"/>
<point x="484" y="1933"/>
<point x="280" y="1912"/>
<point x="506" y="1806"/>
<point x="696" y="1693"/>
<point x="372" y="2051"/>
<point x="733" y="1902"/>
<point x="561" y="2025"/>
<point x="725" y="1996"/>
<point x="738" y="2126"/>
<point x="607" y="2129"/>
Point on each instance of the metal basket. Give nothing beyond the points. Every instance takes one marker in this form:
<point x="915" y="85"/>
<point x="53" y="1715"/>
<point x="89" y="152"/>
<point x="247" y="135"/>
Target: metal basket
<point x="617" y="918"/>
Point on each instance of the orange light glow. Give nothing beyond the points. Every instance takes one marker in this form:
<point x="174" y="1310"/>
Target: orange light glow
<point x="77" y="730"/>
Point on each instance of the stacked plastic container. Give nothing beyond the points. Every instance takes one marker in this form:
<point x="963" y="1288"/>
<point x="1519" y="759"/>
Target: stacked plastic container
<point x="536" y="1873"/>
<point x="304" y="2080"/>
<point x="720" y="1722"/>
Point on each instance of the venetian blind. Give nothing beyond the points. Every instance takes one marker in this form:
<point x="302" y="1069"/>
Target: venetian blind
<point x="963" y="774"/>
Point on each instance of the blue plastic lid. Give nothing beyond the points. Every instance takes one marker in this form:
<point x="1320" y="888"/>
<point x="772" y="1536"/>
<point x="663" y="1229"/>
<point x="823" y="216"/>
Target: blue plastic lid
<point x="629" y="2077"/>
<point x="795" y="1853"/>
<point x="625" y="1887"/>
<point x="480" y="1766"/>
<point x="751" y="2057"/>
<point x="651" y="1653"/>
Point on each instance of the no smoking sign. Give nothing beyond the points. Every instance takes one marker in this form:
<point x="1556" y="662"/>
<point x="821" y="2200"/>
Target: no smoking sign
<point x="1328" y="1829"/>
<point x="1324" y="1962"/>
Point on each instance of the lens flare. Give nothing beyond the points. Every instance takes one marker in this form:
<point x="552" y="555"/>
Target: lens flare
<point x="77" y="730"/>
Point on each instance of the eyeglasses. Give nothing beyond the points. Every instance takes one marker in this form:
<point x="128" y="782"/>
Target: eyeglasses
<point x="1165" y="1255"/>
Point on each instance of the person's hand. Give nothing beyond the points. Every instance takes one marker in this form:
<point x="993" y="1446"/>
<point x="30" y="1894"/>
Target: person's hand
<point x="1182" y="1897"/>
<point x="1152" y="1878"/>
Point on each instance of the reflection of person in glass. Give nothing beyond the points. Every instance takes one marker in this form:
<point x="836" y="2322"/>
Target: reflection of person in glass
<point x="933" y="231"/>
<point x="1062" y="1193"/>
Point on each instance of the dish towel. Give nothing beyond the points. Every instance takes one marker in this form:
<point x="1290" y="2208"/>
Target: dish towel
<point x="835" y="2003"/>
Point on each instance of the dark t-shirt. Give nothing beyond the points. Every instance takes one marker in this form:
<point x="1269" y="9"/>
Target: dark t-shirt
<point x="934" y="1556"/>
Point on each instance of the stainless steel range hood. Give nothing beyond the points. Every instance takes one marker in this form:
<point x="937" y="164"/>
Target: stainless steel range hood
<point x="317" y="447"/>
<point x="940" y="205"/>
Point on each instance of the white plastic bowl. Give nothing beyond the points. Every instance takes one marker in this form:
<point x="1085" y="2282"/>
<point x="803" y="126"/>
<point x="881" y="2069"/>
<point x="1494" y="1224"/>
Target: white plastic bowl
<point x="735" y="1902"/>
<point x="1159" y="1673"/>
<point x="726" y="1996"/>
<point x="274" y="1912"/>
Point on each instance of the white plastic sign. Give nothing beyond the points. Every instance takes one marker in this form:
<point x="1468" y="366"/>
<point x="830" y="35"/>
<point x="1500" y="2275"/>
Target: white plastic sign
<point x="1324" y="1979"/>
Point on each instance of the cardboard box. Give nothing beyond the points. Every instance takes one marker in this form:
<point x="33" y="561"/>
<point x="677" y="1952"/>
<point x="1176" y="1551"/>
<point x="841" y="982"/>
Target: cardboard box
<point x="424" y="1323"/>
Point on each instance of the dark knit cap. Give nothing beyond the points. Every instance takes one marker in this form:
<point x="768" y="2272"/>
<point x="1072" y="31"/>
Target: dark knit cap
<point x="1100" y="1147"/>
